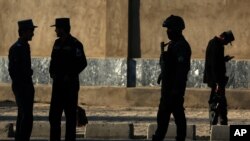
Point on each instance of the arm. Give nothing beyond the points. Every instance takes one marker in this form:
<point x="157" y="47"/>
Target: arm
<point x="14" y="64"/>
<point x="19" y="64"/>
<point x="213" y="62"/>
<point x="52" y="64"/>
<point x="81" y="61"/>
<point x="228" y="58"/>
<point x="183" y="56"/>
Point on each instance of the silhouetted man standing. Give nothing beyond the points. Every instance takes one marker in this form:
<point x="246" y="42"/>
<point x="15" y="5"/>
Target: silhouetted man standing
<point x="67" y="61"/>
<point x="215" y="76"/>
<point x="175" y="65"/>
<point x="21" y="74"/>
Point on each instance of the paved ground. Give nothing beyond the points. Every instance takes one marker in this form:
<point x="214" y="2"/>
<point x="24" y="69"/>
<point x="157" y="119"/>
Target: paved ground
<point x="92" y="140"/>
<point x="141" y="117"/>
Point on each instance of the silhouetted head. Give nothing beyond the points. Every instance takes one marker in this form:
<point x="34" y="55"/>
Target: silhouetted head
<point x="174" y="25"/>
<point x="26" y="29"/>
<point x="62" y="26"/>
<point x="227" y="37"/>
<point x="174" y="22"/>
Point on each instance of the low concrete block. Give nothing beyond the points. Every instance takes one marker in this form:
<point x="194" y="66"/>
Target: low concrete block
<point x="138" y="96"/>
<point x="109" y="131"/>
<point x="6" y="130"/>
<point x="171" y="133"/>
<point x="42" y="130"/>
<point x="220" y="133"/>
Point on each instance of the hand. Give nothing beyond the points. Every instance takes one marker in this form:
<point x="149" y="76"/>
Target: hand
<point x="217" y="87"/>
<point x="159" y="79"/>
<point x="228" y="58"/>
<point x="219" y="90"/>
<point x="163" y="44"/>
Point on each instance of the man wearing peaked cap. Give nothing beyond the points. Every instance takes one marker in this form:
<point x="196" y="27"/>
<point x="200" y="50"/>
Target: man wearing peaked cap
<point x="26" y="24"/>
<point x="62" y="22"/>
<point x="21" y="73"/>
<point x="175" y="65"/>
<point x="68" y="60"/>
<point x="215" y="76"/>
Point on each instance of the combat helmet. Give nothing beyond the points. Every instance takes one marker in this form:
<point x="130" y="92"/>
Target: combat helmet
<point x="174" y="22"/>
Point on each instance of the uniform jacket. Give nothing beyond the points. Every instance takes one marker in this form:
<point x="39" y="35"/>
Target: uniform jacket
<point x="67" y="58"/>
<point x="176" y="63"/>
<point x="20" y="62"/>
<point x="215" y="67"/>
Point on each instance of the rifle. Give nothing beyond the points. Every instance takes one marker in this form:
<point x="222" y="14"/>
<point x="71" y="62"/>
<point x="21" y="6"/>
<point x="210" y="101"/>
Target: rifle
<point x="161" y="61"/>
<point x="214" y="108"/>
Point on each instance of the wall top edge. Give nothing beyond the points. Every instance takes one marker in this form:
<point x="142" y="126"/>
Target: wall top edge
<point x="124" y="58"/>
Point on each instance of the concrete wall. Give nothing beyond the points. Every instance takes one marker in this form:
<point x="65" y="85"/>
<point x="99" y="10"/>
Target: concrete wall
<point x="117" y="28"/>
<point x="204" y="19"/>
<point x="102" y="25"/>
<point x="121" y="96"/>
<point x="112" y="30"/>
<point x="99" y="24"/>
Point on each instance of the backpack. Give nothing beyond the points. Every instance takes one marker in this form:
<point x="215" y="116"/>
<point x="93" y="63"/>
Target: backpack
<point x="82" y="119"/>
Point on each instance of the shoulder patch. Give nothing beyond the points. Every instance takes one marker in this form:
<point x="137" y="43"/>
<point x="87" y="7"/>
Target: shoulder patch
<point x="78" y="52"/>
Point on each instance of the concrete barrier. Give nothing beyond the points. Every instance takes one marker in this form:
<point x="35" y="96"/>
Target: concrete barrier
<point x="109" y="131"/>
<point x="220" y="133"/>
<point x="139" y="96"/>
<point x="171" y="133"/>
<point x="4" y="129"/>
<point x="40" y="130"/>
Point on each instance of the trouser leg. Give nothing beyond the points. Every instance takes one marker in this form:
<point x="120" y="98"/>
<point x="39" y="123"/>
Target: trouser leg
<point x="223" y="111"/>
<point x="70" y="113"/>
<point x="17" y="133"/>
<point x="24" y="94"/>
<point x="180" y="119"/>
<point x="163" y="117"/>
<point x="55" y="113"/>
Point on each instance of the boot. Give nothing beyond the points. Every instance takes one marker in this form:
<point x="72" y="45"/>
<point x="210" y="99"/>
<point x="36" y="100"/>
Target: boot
<point x="155" y="138"/>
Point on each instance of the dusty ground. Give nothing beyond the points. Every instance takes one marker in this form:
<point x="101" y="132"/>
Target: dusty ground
<point x="141" y="117"/>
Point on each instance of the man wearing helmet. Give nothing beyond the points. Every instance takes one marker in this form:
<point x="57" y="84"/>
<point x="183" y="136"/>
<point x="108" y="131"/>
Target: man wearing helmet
<point x="175" y="65"/>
